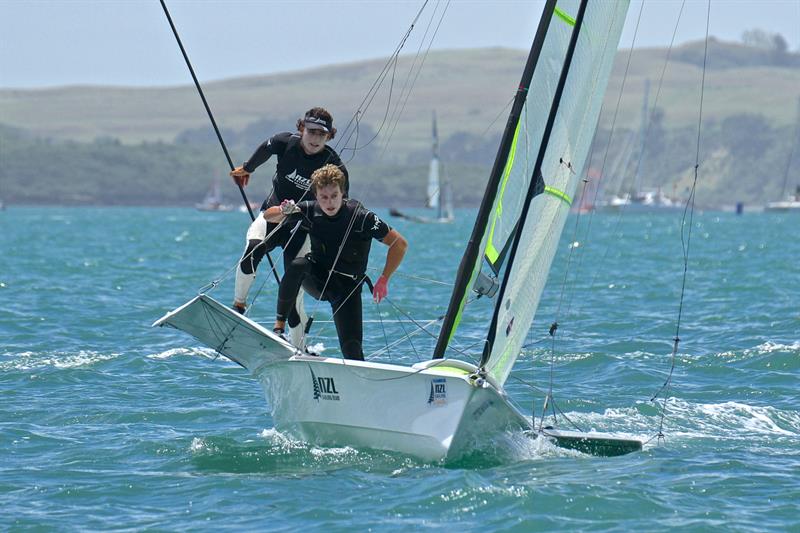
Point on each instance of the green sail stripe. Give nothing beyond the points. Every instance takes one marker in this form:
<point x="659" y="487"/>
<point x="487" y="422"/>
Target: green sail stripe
<point x="563" y="16"/>
<point x="491" y="252"/>
<point x="561" y="195"/>
<point x="450" y="370"/>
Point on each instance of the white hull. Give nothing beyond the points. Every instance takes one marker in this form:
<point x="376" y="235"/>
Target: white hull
<point x="787" y="205"/>
<point x="438" y="409"/>
<point x="430" y="413"/>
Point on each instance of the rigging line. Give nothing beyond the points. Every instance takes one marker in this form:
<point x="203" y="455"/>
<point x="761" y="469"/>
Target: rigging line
<point x="503" y="112"/>
<point x="211" y="117"/>
<point x="795" y="141"/>
<point x="373" y="89"/>
<point x="416" y="332"/>
<point x="359" y="116"/>
<point x="383" y="329"/>
<point x="405" y="333"/>
<point x="686" y="244"/>
<point x="621" y="91"/>
<point x="213" y="284"/>
<point x="425" y="330"/>
<point x="565" y="282"/>
<point x="394" y="118"/>
<point x="419" y="70"/>
<point x="418" y="278"/>
<point x="618" y="219"/>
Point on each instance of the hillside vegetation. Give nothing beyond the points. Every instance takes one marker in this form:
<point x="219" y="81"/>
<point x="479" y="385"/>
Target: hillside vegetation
<point x="116" y="145"/>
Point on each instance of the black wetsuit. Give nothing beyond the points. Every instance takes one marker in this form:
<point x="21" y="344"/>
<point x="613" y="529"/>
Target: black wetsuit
<point x="291" y="182"/>
<point x="330" y="274"/>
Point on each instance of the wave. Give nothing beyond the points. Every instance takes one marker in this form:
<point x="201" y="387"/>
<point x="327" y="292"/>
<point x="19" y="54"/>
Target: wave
<point x="60" y="360"/>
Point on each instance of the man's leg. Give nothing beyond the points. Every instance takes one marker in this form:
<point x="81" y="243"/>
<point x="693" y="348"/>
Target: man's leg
<point x="290" y="285"/>
<point x="297" y="316"/>
<point x="348" y="320"/>
<point x="254" y="251"/>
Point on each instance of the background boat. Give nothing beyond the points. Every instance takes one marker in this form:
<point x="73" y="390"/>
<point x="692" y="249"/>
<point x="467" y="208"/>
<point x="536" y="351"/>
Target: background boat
<point x="213" y="200"/>
<point x="439" y="193"/>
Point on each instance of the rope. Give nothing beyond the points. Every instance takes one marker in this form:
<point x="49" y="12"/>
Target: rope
<point x="686" y="239"/>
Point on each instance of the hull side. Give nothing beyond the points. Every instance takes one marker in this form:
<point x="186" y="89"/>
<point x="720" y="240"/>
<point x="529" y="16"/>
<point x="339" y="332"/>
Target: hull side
<point x="422" y="413"/>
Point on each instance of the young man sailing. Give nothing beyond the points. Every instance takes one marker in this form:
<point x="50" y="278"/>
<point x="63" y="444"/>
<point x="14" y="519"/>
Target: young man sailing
<point x="299" y="155"/>
<point x="341" y="232"/>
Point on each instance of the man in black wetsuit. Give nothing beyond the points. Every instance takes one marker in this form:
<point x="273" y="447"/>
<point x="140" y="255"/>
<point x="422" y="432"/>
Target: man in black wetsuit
<point x="299" y="155"/>
<point x="341" y="232"/>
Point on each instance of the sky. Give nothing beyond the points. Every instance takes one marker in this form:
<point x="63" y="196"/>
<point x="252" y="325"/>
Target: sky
<point x="47" y="43"/>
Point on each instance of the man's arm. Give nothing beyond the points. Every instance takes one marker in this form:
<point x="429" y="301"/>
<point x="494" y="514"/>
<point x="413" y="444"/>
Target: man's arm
<point x="397" y="250"/>
<point x="241" y="175"/>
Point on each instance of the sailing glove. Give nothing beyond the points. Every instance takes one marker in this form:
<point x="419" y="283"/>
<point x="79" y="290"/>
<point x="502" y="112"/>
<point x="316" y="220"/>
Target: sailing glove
<point x="240" y="176"/>
<point x="288" y="207"/>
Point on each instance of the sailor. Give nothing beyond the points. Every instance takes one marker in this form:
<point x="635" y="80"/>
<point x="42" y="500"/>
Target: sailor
<point x="299" y="155"/>
<point x="341" y="232"/>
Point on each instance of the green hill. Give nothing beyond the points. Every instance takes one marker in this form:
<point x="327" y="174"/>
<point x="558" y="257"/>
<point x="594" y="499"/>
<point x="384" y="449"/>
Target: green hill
<point x="158" y="139"/>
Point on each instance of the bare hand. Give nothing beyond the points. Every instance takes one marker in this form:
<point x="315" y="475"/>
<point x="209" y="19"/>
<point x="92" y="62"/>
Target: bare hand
<point x="381" y="289"/>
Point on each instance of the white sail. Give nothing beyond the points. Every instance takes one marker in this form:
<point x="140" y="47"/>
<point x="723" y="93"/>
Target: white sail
<point x="562" y="166"/>
<point x="433" y="171"/>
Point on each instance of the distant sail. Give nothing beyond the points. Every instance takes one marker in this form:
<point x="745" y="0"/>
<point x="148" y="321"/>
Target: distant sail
<point x="433" y="172"/>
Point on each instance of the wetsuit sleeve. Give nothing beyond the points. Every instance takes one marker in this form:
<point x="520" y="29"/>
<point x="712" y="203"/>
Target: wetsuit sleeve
<point x="376" y="227"/>
<point x="274" y="145"/>
<point x="306" y="214"/>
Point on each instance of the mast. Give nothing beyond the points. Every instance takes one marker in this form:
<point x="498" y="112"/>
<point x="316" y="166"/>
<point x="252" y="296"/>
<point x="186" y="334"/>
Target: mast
<point x="795" y="142"/>
<point x="470" y="258"/>
<point x="536" y="184"/>
<point x="637" y="177"/>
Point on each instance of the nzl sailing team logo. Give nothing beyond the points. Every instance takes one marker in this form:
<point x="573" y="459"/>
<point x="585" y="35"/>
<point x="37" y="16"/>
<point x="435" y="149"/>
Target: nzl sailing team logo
<point x="324" y="388"/>
<point x="438" y="395"/>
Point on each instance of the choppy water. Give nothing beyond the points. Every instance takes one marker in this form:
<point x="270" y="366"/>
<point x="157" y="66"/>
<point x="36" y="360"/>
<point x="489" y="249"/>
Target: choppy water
<point x="106" y="423"/>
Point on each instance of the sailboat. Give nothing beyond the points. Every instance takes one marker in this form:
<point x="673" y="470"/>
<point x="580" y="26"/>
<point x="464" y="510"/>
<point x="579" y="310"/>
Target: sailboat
<point x="445" y="408"/>
<point x="640" y="199"/>
<point x="213" y="200"/>
<point x="789" y="202"/>
<point x="437" y="188"/>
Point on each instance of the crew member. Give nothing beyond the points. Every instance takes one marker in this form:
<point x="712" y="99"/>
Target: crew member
<point x="299" y="155"/>
<point x="341" y="232"/>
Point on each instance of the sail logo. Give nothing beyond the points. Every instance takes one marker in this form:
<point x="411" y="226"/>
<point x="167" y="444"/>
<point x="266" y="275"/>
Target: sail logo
<point x="438" y="394"/>
<point x="377" y="222"/>
<point x="324" y="388"/>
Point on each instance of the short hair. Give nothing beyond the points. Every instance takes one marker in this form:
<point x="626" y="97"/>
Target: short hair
<point x="328" y="175"/>
<point x="318" y="112"/>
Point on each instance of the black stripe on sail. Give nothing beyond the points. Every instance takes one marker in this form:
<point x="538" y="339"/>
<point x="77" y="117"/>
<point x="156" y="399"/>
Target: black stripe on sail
<point x="470" y="257"/>
<point x="535" y="184"/>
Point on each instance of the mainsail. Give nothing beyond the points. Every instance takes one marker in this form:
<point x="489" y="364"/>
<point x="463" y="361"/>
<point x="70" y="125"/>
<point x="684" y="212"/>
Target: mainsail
<point x="536" y="173"/>
<point x="433" y="172"/>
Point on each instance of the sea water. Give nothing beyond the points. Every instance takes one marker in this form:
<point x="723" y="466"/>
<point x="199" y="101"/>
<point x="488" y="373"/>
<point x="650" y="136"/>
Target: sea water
<point x="109" y="424"/>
